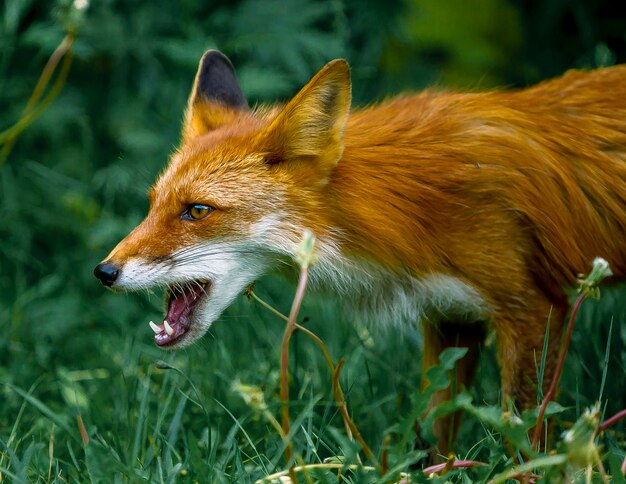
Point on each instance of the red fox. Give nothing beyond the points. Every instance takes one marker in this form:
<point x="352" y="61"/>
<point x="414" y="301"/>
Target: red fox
<point x="464" y="211"/>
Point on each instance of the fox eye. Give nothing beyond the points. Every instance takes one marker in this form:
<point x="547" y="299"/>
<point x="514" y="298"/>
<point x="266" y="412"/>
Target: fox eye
<point x="196" y="211"/>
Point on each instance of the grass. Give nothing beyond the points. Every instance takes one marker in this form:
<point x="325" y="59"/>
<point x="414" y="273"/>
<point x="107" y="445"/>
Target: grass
<point x="95" y="400"/>
<point x="202" y="414"/>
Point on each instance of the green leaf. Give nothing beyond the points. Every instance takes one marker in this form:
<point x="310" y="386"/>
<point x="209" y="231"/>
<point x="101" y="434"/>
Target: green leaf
<point x="540" y="463"/>
<point x="101" y="463"/>
<point x="44" y="409"/>
<point x="438" y="376"/>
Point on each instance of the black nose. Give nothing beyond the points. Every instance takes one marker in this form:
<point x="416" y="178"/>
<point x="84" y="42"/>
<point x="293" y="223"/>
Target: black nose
<point x="106" y="272"/>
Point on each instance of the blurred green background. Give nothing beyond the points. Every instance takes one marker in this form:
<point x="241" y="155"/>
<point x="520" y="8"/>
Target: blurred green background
<point x="75" y="183"/>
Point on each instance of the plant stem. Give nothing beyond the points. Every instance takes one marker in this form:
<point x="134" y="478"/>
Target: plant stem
<point x="267" y="306"/>
<point x="343" y="410"/>
<point x="609" y="422"/>
<point x="338" y="394"/>
<point x="32" y="111"/>
<point x="451" y="464"/>
<point x="84" y="435"/>
<point x="284" y="364"/>
<point x="299" y="327"/>
<point x="557" y="372"/>
<point x="277" y="475"/>
<point x="49" y="69"/>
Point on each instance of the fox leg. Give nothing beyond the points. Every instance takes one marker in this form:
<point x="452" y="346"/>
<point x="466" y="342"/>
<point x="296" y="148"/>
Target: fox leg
<point x="519" y="352"/>
<point x="436" y="338"/>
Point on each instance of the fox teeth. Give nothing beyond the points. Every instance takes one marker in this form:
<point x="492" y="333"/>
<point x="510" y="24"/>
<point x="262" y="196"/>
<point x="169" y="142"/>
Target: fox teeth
<point x="154" y="328"/>
<point x="168" y="329"/>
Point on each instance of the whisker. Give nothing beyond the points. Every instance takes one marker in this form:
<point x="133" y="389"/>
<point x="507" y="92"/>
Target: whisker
<point x="202" y="288"/>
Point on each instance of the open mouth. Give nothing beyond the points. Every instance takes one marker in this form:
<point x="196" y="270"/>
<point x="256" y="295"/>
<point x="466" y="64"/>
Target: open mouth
<point x="181" y="299"/>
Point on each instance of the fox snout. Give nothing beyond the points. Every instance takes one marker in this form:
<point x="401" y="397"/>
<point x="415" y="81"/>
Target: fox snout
<point x="107" y="272"/>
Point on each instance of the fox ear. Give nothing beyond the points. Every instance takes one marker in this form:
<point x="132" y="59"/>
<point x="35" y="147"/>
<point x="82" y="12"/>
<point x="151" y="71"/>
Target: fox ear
<point x="311" y="125"/>
<point x="215" y="98"/>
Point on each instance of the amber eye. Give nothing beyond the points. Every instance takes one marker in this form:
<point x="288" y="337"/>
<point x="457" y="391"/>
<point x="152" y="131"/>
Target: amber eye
<point x="196" y="211"/>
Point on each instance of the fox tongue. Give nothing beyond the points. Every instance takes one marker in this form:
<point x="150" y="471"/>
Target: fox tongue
<point x="182" y="302"/>
<point x="179" y="305"/>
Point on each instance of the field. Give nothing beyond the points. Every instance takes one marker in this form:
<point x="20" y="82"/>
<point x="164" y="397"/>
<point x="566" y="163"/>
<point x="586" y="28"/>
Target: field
<point x="84" y="393"/>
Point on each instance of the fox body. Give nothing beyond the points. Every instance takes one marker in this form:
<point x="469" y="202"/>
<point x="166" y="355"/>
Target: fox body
<point x="460" y="210"/>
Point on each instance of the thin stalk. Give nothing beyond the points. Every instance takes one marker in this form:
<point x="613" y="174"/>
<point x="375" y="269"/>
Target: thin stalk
<point x="559" y="369"/>
<point x="384" y="465"/>
<point x="450" y="464"/>
<point x="48" y="70"/>
<point x="343" y="410"/>
<point x="84" y="435"/>
<point x="32" y="110"/>
<point x="609" y="422"/>
<point x="284" y="365"/>
<point x="277" y="475"/>
<point x="267" y="306"/>
<point x="351" y="428"/>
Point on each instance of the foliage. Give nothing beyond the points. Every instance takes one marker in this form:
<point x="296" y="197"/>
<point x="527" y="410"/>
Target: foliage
<point x="74" y="183"/>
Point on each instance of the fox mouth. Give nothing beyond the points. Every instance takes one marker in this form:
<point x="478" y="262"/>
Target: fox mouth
<point x="181" y="301"/>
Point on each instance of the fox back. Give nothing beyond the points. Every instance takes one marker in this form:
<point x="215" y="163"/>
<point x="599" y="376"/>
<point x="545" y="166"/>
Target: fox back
<point x="465" y="211"/>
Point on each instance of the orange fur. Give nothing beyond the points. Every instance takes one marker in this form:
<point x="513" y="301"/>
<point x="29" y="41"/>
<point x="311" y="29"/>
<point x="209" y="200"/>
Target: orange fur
<point x="510" y="193"/>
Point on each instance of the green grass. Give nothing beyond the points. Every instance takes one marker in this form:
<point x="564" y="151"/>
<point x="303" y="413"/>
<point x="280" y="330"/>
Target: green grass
<point x="75" y="182"/>
<point x="187" y="423"/>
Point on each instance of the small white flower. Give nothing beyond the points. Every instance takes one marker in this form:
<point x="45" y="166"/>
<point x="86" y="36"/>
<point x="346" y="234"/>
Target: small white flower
<point x="568" y="436"/>
<point x="602" y="265"/>
<point x="81" y="4"/>
<point x="600" y="270"/>
<point x="305" y="256"/>
<point x="512" y="419"/>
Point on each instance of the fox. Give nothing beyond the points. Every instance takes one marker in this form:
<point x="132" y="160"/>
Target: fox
<point x="465" y="212"/>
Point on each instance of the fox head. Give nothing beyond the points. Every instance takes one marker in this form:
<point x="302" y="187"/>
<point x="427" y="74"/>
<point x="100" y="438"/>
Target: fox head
<point x="235" y="197"/>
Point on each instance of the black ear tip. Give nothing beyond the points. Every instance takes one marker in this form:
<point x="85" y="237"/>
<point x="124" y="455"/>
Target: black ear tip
<point x="214" y="57"/>
<point x="216" y="80"/>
